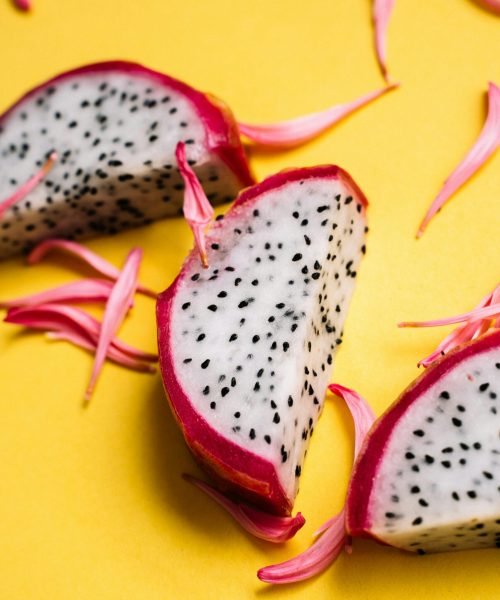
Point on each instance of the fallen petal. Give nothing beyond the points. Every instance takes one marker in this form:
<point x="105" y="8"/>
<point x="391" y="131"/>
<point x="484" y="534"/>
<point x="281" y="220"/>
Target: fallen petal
<point x="93" y="260"/>
<point x="85" y="290"/>
<point x="326" y="548"/>
<point x="198" y="211"/>
<point x="302" y="129"/>
<point x="257" y="522"/>
<point x="29" y="186"/>
<point x="114" y="354"/>
<point x="117" y="306"/>
<point x="69" y="319"/>
<point x="24" y="5"/>
<point x="381" y="12"/>
<point x="486" y="144"/>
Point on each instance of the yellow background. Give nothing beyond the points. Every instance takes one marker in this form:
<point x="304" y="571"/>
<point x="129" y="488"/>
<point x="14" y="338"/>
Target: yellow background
<point x="92" y="505"/>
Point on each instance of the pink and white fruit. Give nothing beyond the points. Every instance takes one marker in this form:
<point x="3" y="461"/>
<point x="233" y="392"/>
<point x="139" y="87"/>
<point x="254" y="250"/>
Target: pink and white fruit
<point x="428" y="476"/>
<point x="247" y="345"/>
<point x="114" y="127"/>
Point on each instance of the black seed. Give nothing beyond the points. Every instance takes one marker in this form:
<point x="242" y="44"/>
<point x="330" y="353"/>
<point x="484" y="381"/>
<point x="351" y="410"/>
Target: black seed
<point x="243" y="304"/>
<point x="233" y="337"/>
<point x="255" y="339"/>
<point x="251" y="434"/>
<point x="276" y="418"/>
<point x="488" y="475"/>
<point x="255" y="282"/>
<point x="415" y="489"/>
<point x="256" y="387"/>
<point x="444" y="395"/>
<point x="419" y="433"/>
<point x="212" y="307"/>
<point x="390" y="515"/>
<point x="260" y="372"/>
<point x="417" y="521"/>
<point x="201" y="337"/>
<point x="187" y="360"/>
<point x="423" y="502"/>
<point x="290" y="401"/>
<point x="429" y="459"/>
<point x="206" y="390"/>
<point x="286" y="345"/>
<point x="280" y="305"/>
<point x="455" y="496"/>
<point x="456" y="422"/>
<point x="267" y="439"/>
<point x="307" y="240"/>
<point x="224" y="391"/>
<point x="446" y="464"/>
<point x="409" y="455"/>
<point x="205" y="363"/>
<point x="213" y="405"/>
<point x="296" y="257"/>
<point x="476" y="446"/>
<point x="298" y="471"/>
<point x="483" y="387"/>
<point x="186" y="305"/>
<point x="472" y="494"/>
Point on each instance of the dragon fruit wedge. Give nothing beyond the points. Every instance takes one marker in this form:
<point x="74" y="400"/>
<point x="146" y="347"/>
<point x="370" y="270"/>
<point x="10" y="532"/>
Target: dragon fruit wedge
<point x="110" y="130"/>
<point x="428" y="476"/>
<point x="247" y="345"/>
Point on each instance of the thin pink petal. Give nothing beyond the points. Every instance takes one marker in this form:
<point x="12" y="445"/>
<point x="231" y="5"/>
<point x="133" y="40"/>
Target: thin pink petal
<point x="116" y="308"/>
<point x="64" y="319"/>
<point x="257" y="522"/>
<point x="113" y="354"/>
<point x="85" y="290"/>
<point x="486" y="144"/>
<point x="333" y="539"/>
<point x="381" y="13"/>
<point x="93" y="260"/>
<point x="302" y="129"/>
<point x="492" y="5"/>
<point x="29" y="186"/>
<point x="198" y="211"/>
<point x="478" y="314"/>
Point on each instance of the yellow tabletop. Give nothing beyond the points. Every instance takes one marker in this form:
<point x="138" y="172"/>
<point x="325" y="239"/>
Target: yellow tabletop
<point x="92" y="505"/>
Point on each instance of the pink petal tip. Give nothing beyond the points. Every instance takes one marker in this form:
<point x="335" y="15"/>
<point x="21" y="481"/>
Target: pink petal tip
<point x="381" y="14"/>
<point x="288" y="134"/>
<point x="485" y="145"/>
<point x="29" y="186"/>
<point x="258" y="523"/>
<point x="198" y="211"/>
<point x="24" y="5"/>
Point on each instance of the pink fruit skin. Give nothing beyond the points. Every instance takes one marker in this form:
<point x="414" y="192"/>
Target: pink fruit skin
<point x="358" y="518"/>
<point x="222" y="135"/>
<point x="234" y="468"/>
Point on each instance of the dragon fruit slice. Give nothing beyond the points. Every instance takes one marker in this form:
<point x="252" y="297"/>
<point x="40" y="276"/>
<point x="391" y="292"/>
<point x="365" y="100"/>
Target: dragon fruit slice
<point x="114" y="127"/>
<point x="246" y="345"/>
<point x="428" y="477"/>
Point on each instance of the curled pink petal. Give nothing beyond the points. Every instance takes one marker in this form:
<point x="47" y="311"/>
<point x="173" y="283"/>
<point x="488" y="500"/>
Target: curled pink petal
<point x="69" y="319"/>
<point x="302" y="129"/>
<point x="486" y="144"/>
<point x="484" y="316"/>
<point x="381" y="13"/>
<point x="198" y="211"/>
<point x="93" y="260"/>
<point x="116" y="308"/>
<point x="24" y="5"/>
<point x="29" y="186"/>
<point x="491" y="5"/>
<point x="85" y="290"/>
<point x="257" y="522"/>
<point x="113" y="353"/>
<point x="326" y="548"/>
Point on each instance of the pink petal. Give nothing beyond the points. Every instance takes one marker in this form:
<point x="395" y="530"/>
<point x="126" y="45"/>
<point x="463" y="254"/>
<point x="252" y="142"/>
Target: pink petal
<point x="93" y="260"/>
<point x="85" y="290"/>
<point x="113" y="353"/>
<point x="476" y="322"/>
<point x="381" y="13"/>
<point x="492" y="5"/>
<point x="197" y="209"/>
<point x="116" y="308"/>
<point x="69" y="319"/>
<point x="486" y="144"/>
<point x="257" y="522"/>
<point x="24" y="5"/>
<point x="302" y="129"/>
<point x="478" y="314"/>
<point x="326" y="548"/>
<point x="29" y="186"/>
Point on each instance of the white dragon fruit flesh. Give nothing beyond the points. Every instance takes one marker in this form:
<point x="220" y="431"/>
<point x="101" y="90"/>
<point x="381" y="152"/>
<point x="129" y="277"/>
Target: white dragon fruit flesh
<point x="114" y="128"/>
<point x="247" y="345"/>
<point x="428" y="476"/>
